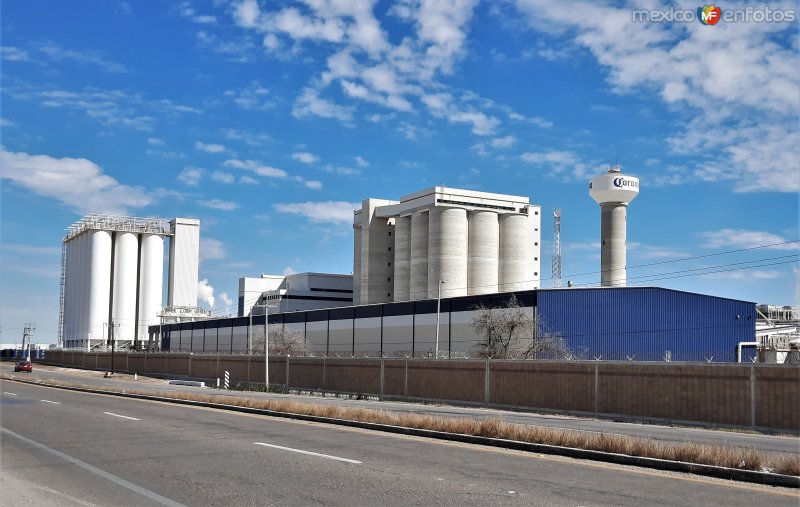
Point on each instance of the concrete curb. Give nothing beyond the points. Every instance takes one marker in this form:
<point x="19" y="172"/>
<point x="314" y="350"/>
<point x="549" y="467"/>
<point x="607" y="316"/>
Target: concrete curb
<point x="766" y="478"/>
<point x="192" y="383"/>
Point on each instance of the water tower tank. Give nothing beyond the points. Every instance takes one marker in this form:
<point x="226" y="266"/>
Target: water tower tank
<point x="613" y="191"/>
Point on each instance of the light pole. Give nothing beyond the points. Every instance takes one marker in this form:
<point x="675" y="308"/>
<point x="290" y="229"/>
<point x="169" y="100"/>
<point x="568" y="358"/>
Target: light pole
<point x="438" y="307"/>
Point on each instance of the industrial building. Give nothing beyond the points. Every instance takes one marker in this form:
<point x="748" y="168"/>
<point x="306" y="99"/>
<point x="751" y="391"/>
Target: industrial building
<point x="291" y="293"/>
<point x="608" y="323"/>
<point x="459" y="242"/>
<point x="112" y="275"/>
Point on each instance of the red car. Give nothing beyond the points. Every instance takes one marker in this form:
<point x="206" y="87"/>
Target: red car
<point x="23" y="366"/>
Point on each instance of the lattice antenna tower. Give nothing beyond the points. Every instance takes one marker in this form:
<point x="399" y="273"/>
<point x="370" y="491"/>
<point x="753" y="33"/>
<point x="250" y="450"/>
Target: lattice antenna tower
<point x="556" y="275"/>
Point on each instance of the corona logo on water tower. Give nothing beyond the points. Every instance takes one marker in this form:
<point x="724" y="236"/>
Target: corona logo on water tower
<point x="613" y="191"/>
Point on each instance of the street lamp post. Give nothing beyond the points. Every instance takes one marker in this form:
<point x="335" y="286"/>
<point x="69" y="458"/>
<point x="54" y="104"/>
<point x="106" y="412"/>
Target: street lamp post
<point x="438" y="307"/>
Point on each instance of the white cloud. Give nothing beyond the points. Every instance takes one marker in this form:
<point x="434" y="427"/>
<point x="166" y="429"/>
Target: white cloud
<point x="289" y="271"/>
<point x="313" y="184"/>
<point x="247" y="180"/>
<point x="745" y="274"/>
<point x="743" y="238"/>
<point x="205" y="292"/>
<point x="226" y="300"/>
<point x="565" y="163"/>
<point x="249" y="138"/>
<point x="223" y="177"/>
<point x="309" y="103"/>
<point x="337" y="212"/>
<point x="212" y="249"/>
<point x="58" y="53"/>
<point x="361" y="162"/>
<point x="209" y="148"/>
<point x="246" y="13"/>
<point x="305" y="157"/>
<point x="503" y="142"/>
<point x="154" y="141"/>
<point x="219" y="204"/>
<point x="14" y="54"/>
<point x="76" y="182"/>
<point x="188" y="12"/>
<point x="30" y="249"/>
<point x="342" y="170"/>
<point x="191" y="175"/>
<point x="253" y="97"/>
<point x="6" y="123"/>
<point x="257" y="168"/>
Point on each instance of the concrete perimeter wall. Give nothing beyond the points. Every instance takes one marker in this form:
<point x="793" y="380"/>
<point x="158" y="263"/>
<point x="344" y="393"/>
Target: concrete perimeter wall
<point x="742" y="395"/>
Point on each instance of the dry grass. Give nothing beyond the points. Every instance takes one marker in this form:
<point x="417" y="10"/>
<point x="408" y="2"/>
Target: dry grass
<point x="706" y="454"/>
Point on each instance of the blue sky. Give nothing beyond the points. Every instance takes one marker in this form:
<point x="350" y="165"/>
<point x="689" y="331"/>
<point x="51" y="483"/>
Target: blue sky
<point x="269" y="121"/>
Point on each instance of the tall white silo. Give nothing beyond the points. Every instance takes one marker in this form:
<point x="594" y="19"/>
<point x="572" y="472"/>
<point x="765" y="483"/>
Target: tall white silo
<point x="447" y="252"/>
<point x="99" y="254"/>
<point x="515" y="271"/>
<point x="402" y="258"/>
<point x="68" y="283"/>
<point x="123" y="311"/>
<point x="613" y="191"/>
<point x="418" y="269"/>
<point x="151" y="277"/>
<point x="356" y="264"/>
<point x="484" y="250"/>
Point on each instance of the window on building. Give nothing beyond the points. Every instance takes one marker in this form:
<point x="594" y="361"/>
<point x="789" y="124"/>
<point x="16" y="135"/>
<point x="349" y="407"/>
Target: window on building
<point x="390" y="249"/>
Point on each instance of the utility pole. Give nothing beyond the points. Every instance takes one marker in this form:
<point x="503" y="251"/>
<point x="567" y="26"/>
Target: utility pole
<point x="27" y="337"/>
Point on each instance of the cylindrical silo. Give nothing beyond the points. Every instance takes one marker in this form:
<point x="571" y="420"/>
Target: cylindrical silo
<point x="402" y="258"/>
<point x="99" y="282"/>
<point x="418" y="269"/>
<point x="484" y="250"/>
<point x="447" y="252"/>
<point x="515" y="253"/>
<point x="357" y="265"/>
<point x="613" y="250"/>
<point x="151" y="279"/>
<point x="123" y="312"/>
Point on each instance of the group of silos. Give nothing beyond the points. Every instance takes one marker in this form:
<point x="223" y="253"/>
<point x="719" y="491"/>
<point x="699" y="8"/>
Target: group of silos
<point x="446" y="242"/>
<point x="113" y="282"/>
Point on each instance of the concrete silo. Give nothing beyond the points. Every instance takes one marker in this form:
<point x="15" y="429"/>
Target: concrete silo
<point x="447" y="252"/>
<point x="402" y="258"/>
<point x="484" y="252"/>
<point x="516" y="262"/>
<point x="613" y="191"/>
<point x="418" y="269"/>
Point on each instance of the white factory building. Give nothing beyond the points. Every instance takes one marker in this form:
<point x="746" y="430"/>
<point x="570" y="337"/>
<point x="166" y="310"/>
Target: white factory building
<point x="112" y="275"/>
<point x="292" y="293"/>
<point x="459" y="242"/>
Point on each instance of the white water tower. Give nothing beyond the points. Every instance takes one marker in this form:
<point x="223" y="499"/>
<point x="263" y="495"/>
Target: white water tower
<point x="613" y="191"/>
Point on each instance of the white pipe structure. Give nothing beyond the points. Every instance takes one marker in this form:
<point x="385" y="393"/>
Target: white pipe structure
<point x="739" y="349"/>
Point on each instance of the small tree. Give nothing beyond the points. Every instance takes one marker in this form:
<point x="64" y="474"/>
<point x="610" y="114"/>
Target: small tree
<point x="508" y="331"/>
<point x="282" y="341"/>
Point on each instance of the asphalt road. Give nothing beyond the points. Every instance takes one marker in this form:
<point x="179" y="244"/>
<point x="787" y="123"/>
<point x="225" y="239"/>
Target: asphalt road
<point x="773" y="443"/>
<point x="61" y="447"/>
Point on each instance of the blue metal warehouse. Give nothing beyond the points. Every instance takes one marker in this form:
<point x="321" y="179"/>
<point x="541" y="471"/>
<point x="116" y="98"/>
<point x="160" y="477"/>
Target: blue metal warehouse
<point x="620" y="323"/>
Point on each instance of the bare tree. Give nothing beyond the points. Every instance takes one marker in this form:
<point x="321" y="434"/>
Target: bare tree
<point x="282" y="341"/>
<point x="509" y="331"/>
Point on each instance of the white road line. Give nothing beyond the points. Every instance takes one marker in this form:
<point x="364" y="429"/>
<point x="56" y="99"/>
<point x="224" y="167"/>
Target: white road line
<point x="12" y="394"/>
<point x="309" y="453"/>
<point x="53" y="402"/>
<point x="93" y="469"/>
<point x="122" y="416"/>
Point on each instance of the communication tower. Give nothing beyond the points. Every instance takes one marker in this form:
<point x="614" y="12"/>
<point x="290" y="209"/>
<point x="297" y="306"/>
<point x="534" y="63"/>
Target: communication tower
<point x="556" y="274"/>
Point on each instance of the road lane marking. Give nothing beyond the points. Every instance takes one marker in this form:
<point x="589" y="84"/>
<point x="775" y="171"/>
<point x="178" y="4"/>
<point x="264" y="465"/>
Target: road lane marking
<point x="12" y="394"/>
<point x="93" y="469"/>
<point x="337" y="458"/>
<point x="53" y="402"/>
<point x="122" y="416"/>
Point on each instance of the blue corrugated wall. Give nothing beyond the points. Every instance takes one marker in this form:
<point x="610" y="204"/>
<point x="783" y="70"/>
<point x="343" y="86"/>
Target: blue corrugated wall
<point x="644" y="323"/>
